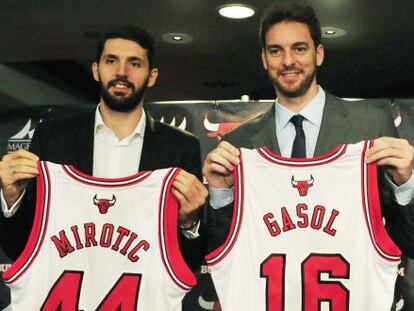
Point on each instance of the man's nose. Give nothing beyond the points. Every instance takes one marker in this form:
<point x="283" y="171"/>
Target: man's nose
<point x="122" y="70"/>
<point x="288" y="59"/>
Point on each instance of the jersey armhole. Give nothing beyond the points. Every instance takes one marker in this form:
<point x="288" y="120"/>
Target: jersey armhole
<point x="37" y="233"/>
<point x="380" y="239"/>
<point x="171" y="254"/>
<point x="221" y="251"/>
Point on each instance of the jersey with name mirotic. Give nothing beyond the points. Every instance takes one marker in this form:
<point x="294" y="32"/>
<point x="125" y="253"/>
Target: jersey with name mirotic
<point x="101" y="244"/>
<point x="306" y="234"/>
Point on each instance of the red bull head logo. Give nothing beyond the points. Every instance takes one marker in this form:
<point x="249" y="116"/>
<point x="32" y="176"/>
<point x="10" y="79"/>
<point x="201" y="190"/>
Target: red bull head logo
<point x="302" y="185"/>
<point x="103" y="204"/>
<point x="219" y="129"/>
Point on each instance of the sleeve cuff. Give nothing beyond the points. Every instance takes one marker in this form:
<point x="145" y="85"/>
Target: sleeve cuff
<point x="220" y="197"/>
<point x="9" y="212"/>
<point x="192" y="233"/>
<point x="405" y="192"/>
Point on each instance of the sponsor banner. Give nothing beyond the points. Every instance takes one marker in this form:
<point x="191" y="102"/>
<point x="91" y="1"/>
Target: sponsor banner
<point x="209" y="121"/>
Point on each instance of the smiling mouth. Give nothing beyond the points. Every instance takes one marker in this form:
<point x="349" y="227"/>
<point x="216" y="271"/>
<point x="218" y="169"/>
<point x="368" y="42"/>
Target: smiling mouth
<point x="289" y="76"/>
<point x="120" y="85"/>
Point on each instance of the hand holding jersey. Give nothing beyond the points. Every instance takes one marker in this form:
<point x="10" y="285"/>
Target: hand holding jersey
<point x="191" y="195"/>
<point x="16" y="168"/>
<point x="395" y="153"/>
<point x="219" y="165"/>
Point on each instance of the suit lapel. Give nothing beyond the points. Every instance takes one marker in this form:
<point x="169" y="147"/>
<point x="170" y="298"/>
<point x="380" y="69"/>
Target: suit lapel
<point x="335" y="125"/>
<point x="265" y="132"/>
<point x="150" y="151"/>
<point x="84" y="139"/>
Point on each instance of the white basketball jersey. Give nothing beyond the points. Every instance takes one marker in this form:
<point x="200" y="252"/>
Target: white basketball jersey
<point x="101" y="244"/>
<point x="306" y="234"/>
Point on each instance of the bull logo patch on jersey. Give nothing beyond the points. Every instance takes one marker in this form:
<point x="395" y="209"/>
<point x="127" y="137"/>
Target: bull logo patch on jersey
<point x="103" y="204"/>
<point x="302" y="185"/>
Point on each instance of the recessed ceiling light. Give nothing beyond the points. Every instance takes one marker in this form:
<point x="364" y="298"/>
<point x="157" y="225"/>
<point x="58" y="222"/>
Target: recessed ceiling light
<point x="332" y="32"/>
<point x="236" y="11"/>
<point x="177" y="38"/>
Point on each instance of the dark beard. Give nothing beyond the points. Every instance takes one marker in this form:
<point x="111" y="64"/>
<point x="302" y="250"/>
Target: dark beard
<point x="300" y="90"/>
<point x="122" y="103"/>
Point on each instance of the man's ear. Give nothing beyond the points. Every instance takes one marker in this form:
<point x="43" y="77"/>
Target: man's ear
<point x="320" y="54"/>
<point x="95" y="72"/>
<point x="153" y="75"/>
<point x="264" y="61"/>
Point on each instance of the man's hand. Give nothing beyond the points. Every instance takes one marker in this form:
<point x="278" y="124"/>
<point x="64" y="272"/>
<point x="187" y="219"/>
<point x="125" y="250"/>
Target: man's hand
<point x="191" y="194"/>
<point x="219" y="165"/>
<point x="16" y="168"/>
<point x="395" y="153"/>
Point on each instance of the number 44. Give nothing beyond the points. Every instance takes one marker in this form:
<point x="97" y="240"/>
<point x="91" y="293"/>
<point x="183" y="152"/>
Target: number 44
<point x="64" y="295"/>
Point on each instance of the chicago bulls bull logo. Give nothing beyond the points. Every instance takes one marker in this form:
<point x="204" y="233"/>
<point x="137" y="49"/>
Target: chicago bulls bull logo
<point x="302" y="185"/>
<point x="219" y="129"/>
<point x="103" y="204"/>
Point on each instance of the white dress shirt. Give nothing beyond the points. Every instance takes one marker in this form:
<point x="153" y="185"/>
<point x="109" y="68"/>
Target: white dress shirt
<point x="113" y="157"/>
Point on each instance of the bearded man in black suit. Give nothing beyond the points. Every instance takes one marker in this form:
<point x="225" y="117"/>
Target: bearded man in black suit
<point x="118" y="139"/>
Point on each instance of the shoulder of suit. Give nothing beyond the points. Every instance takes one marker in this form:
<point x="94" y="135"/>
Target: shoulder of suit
<point x="249" y="126"/>
<point x="76" y="119"/>
<point x="373" y="107"/>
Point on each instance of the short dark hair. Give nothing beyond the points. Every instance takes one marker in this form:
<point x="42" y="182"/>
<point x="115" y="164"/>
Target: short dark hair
<point x="129" y="32"/>
<point x="288" y="11"/>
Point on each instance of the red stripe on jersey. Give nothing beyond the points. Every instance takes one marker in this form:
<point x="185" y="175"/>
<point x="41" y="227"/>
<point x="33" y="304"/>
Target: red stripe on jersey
<point x="37" y="234"/>
<point x="272" y="157"/>
<point x="171" y="255"/>
<point x="218" y="254"/>
<point x="83" y="178"/>
<point x="382" y="242"/>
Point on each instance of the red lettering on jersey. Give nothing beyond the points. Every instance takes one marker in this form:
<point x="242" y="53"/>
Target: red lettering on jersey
<point x="328" y="228"/>
<point x="317" y="217"/>
<point x="304" y="222"/>
<point x="106" y="235"/>
<point x="272" y="226"/>
<point x="131" y="249"/>
<point x="124" y="250"/>
<point x="90" y="234"/>
<point x="122" y="233"/>
<point x="317" y="220"/>
<point x="287" y="221"/>
<point x="62" y="244"/>
<point x="75" y="232"/>
<point x="132" y="254"/>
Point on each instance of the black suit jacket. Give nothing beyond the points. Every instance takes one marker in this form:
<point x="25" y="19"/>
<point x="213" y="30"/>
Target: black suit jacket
<point x="70" y="141"/>
<point x="342" y="122"/>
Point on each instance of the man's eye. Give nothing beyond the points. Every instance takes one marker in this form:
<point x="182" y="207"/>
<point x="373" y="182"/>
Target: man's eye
<point x="136" y="64"/>
<point x="301" y="49"/>
<point x="110" y="61"/>
<point x="274" y="51"/>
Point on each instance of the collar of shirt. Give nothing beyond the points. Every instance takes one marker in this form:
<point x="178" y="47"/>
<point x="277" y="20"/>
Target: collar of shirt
<point x="312" y="112"/>
<point x="285" y="130"/>
<point x="105" y="132"/>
